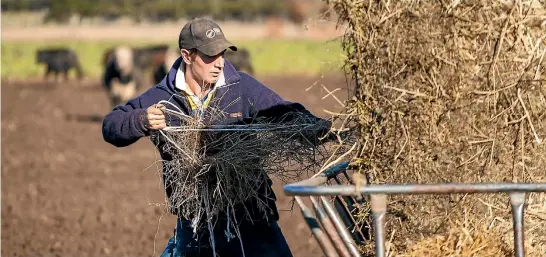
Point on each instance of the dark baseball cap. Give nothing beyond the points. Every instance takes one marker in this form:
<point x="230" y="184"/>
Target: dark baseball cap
<point x="204" y="35"/>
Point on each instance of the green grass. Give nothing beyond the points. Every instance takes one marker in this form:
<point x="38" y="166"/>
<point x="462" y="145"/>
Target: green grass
<point x="269" y="57"/>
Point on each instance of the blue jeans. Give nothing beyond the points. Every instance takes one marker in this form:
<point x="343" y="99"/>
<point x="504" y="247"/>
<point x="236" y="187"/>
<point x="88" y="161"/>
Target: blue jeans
<point x="264" y="240"/>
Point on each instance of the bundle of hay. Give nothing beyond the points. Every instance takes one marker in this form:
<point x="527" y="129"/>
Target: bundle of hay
<point x="216" y="169"/>
<point x="447" y="91"/>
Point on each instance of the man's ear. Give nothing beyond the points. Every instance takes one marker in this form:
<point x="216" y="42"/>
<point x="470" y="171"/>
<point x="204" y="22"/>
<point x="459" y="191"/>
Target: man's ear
<point x="186" y="56"/>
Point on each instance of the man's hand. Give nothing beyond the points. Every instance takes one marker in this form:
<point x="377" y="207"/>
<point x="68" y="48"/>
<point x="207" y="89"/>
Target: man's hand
<point x="315" y="132"/>
<point x="154" y="118"/>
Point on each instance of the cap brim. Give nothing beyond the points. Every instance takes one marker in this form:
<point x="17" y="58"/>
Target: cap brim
<point x="216" y="47"/>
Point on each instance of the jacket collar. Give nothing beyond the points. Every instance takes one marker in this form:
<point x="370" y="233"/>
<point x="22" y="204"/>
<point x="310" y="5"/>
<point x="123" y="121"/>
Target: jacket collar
<point x="180" y="80"/>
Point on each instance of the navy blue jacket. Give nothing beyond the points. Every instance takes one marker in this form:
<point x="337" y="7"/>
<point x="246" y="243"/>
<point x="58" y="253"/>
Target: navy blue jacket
<point x="242" y="97"/>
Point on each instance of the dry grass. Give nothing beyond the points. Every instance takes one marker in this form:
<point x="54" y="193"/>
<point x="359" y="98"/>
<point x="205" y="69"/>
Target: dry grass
<point x="448" y="91"/>
<point x="461" y="242"/>
<point x="219" y="166"/>
<point x="489" y="236"/>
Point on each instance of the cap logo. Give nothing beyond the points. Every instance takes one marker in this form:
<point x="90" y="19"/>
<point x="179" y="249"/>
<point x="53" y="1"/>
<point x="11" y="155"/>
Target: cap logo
<point x="212" y="32"/>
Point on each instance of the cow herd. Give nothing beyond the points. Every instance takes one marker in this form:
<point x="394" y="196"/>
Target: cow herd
<point x="124" y="67"/>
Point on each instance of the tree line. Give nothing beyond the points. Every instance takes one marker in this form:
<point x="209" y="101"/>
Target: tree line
<point x="160" y="10"/>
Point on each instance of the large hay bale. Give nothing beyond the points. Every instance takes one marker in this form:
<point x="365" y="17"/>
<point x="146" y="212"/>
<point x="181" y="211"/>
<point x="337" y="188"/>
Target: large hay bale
<point x="447" y="91"/>
<point x="461" y="241"/>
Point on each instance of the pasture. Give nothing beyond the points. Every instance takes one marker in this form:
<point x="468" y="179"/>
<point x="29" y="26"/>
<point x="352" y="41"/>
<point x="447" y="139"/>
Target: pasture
<point x="269" y="57"/>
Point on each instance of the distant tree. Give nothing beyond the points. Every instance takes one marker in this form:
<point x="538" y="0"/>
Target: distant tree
<point x="162" y="10"/>
<point x="271" y="8"/>
<point x="25" y="5"/>
<point x="61" y="10"/>
<point x="196" y="8"/>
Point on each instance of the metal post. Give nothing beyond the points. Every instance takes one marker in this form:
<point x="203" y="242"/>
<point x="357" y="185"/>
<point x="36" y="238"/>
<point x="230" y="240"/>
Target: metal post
<point x="310" y="187"/>
<point x="378" y="194"/>
<point x="346" y="211"/>
<point x="517" y="200"/>
<point x="330" y="229"/>
<point x="341" y="229"/>
<point x="321" y="238"/>
<point x="379" y="208"/>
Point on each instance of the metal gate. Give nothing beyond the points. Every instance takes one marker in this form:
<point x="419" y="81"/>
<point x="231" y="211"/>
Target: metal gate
<point x="332" y="223"/>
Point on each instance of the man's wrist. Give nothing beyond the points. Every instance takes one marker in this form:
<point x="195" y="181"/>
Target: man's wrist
<point x="142" y="119"/>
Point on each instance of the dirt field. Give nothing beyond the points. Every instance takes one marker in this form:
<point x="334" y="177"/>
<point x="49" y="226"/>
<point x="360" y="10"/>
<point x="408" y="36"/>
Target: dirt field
<point x="66" y="192"/>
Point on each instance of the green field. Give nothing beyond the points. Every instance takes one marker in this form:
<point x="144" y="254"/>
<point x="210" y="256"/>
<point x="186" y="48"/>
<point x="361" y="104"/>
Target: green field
<point x="269" y="57"/>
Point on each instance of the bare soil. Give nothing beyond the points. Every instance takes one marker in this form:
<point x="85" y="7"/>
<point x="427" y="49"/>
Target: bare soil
<point x="66" y="192"/>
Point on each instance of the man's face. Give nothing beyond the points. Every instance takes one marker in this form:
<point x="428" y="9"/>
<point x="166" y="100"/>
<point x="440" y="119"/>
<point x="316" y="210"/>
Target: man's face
<point x="206" y="69"/>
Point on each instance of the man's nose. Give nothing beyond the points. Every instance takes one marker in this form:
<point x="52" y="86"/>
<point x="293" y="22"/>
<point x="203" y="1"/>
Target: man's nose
<point x="220" y="62"/>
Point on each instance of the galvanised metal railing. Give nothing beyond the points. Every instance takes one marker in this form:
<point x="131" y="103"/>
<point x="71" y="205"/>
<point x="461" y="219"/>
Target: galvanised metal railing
<point x="332" y="233"/>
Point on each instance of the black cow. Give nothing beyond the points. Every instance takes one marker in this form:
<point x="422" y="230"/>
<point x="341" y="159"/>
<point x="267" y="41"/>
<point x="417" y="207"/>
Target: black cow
<point x="59" y="60"/>
<point x="163" y="62"/>
<point x="145" y="57"/>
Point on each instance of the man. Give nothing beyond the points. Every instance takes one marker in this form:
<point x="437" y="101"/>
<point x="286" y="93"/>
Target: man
<point x="200" y="80"/>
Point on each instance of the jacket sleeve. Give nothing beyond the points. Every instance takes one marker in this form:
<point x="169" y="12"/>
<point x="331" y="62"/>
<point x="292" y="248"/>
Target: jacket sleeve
<point x="123" y="125"/>
<point x="269" y="104"/>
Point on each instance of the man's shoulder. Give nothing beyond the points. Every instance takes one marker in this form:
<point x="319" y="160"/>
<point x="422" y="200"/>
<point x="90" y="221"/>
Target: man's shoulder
<point x="157" y="90"/>
<point x="253" y="89"/>
<point x="248" y="83"/>
<point x="247" y="78"/>
<point x="153" y="95"/>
